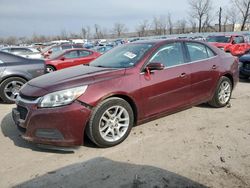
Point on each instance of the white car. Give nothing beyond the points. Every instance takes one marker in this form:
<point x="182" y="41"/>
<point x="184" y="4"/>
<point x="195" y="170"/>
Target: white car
<point x="27" y="52"/>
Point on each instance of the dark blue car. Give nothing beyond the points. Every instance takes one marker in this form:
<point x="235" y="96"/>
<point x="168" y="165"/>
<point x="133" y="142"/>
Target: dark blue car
<point x="244" y="66"/>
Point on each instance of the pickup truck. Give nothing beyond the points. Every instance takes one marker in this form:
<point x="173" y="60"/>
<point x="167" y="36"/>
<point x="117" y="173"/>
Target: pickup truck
<point x="237" y="45"/>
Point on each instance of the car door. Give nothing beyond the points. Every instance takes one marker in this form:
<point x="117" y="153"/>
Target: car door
<point x="69" y="59"/>
<point x="204" y="67"/>
<point x="167" y="89"/>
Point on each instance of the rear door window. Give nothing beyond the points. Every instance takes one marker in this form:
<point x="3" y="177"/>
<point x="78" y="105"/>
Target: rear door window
<point x="84" y="53"/>
<point x="198" y="51"/>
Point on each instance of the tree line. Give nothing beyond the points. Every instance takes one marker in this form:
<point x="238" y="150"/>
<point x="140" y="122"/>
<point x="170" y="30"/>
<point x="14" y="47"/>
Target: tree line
<point x="201" y="15"/>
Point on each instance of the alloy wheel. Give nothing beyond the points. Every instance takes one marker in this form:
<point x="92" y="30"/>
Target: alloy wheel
<point x="114" y="123"/>
<point x="12" y="88"/>
<point x="224" y="92"/>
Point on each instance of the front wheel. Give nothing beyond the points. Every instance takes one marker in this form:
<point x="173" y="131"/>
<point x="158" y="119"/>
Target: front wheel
<point x="50" y="68"/>
<point x="10" y="87"/>
<point x="223" y="93"/>
<point x="111" y="122"/>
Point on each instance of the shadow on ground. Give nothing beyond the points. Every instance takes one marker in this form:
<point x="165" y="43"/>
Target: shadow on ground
<point x="10" y="130"/>
<point x="102" y="172"/>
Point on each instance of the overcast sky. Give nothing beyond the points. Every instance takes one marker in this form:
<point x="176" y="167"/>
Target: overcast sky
<point x="50" y="17"/>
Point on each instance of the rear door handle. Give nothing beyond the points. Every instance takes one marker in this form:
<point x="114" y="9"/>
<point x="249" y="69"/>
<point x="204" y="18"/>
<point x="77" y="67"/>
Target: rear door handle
<point x="214" y="67"/>
<point x="183" y="75"/>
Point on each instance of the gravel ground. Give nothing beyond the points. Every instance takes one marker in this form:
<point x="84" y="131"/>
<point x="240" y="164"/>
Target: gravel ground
<point x="198" y="147"/>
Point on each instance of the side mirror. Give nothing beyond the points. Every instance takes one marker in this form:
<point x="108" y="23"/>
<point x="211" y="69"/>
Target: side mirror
<point x="62" y="58"/>
<point x="155" y="66"/>
<point x="233" y="42"/>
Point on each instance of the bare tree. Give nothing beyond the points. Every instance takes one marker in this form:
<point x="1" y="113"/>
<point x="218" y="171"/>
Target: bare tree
<point x="84" y="32"/>
<point x="170" y="23"/>
<point x="193" y="25"/>
<point x="207" y="24"/>
<point x="232" y="17"/>
<point x="244" y="8"/>
<point x="64" y="35"/>
<point x="156" y="26"/>
<point x="98" y="33"/>
<point x="11" y="40"/>
<point x="225" y="23"/>
<point x="159" y="25"/>
<point x="200" y="9"/>
<point x="181" y="26"/>
<point x="142" y="28"/>
<point x="119" y="29"/>
<point x="220" y="16"/>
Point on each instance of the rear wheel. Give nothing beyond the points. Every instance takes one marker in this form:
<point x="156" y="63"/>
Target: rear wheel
<point x="223" y="93"/>
<point x="111" y="122"/>
<point x="10" y="87"/>
<point x="50" y="68"/>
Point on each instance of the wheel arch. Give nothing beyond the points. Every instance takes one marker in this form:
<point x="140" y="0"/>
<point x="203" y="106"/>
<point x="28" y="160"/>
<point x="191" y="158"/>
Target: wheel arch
<point x="130" y="101"/>
<point x="14" y="76"/>
<point x="228" y="75"/>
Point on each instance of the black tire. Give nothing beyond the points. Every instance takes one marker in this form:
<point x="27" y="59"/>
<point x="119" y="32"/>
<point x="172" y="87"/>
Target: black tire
<point x="9" y="96"/>
<point x="50" y="68"/>
<point x="216" y="102"/>
<point x="93" y="128"/>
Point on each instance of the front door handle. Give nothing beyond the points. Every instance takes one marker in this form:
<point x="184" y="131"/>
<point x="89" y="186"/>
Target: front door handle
<point x="183" y="75"/>
<point x="214" y="67"/>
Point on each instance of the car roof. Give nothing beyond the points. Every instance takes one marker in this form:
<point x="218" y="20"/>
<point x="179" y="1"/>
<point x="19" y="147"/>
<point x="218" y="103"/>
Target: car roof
<point x="72" y="49"/>
<point x="159" y="41"/>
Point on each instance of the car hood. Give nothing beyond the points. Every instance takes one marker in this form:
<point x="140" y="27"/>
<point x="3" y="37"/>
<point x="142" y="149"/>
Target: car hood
<point x="68" y="78"/>
<point x="245" y="58"/>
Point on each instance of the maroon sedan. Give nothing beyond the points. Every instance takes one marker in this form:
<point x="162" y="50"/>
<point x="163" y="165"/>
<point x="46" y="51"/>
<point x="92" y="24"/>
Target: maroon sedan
<point x="126" y="86"/>
<point x="68" y="58"/>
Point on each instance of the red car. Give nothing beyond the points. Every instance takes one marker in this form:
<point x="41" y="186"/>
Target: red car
<point x="69" y="58"/>
<point x="235" y="44"/>
<point x="128" y="85"/>
<point x="49" y="50"/>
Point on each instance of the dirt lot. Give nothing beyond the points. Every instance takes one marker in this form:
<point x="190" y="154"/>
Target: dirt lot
<point x="198" y="147"/>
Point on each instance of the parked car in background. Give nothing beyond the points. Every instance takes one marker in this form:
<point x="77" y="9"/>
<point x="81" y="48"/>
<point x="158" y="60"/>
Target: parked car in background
<point x="102" y="49"/>
<point x="129" y="85"/>
<point x="235" y="44"/>
<point x="88" y="45"/>
<point x="28" y="52"/>
<point x="17" y="50"/>
<point x="15" y="71"/>
<point x="47" y="51"/>
<point x="68" y="58"/>
<point x="244" y="66"/>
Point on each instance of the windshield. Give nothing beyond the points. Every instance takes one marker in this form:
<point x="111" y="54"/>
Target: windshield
<point x="221" y="39"/>
<point x="122" y="57"/>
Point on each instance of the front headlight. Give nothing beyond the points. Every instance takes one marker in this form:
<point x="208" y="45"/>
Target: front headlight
<point x="61" y="98"/>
